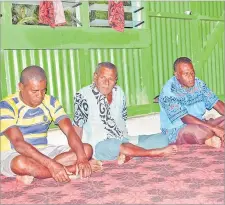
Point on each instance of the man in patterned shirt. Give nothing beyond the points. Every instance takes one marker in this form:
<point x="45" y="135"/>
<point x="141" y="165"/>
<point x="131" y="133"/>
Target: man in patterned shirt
<point x="183" y="102"/>
<point x="100" y="119"/>
<point x="25" y="119"/>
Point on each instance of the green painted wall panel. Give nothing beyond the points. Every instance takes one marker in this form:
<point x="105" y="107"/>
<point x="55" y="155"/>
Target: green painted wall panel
<point x="62" y="68"/>
<point x="171" y="7"/>
<point x="206" y="29"/>
<point x="213" y="68"/>
<point x="172" y="39"/>
<point x="213" y="36"/>
<point x="66" y="75"/>
<point x="211" y="8"/>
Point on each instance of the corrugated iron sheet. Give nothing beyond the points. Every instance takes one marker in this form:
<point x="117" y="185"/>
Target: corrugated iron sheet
<point x="66" y="75"/>
<point x="171" y="7"/>
<point x="62" y="67"/>
<point x="211" y="8"/>
<point x="171" y="39"/>
<point x="213" y="68"/>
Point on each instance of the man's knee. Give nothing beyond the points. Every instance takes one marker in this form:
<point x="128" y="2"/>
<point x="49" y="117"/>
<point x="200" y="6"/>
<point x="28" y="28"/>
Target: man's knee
<point x="193" y="134"/>
<point x="108" y="149"/>
<point x="88" y="150"/>
<point x="153" y="141"/>
<point x="19" y="164"/>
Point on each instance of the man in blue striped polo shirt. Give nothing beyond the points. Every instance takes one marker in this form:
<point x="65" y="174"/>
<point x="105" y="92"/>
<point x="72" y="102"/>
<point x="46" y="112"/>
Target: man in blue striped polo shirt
<point x="25" y="118"/>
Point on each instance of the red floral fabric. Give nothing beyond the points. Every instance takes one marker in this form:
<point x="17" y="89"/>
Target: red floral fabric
<point x="46" y="13"/>
<point x="116" y="15"/>
<point x="51" y="13"/>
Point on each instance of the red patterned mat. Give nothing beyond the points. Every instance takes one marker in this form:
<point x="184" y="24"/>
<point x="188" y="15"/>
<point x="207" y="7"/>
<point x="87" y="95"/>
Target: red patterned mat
<point x="194" y="176"/>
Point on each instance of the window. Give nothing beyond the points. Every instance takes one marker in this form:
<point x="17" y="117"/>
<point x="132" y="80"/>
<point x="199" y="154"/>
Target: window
<point x="27" y="13"/>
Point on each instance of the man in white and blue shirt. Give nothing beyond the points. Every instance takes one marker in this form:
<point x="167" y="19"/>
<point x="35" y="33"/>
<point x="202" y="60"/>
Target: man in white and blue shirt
<point x="100" y="119"/>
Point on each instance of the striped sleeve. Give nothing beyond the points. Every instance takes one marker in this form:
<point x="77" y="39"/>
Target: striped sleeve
<point x="57" y="111"/>
<point x="7" y="116"/>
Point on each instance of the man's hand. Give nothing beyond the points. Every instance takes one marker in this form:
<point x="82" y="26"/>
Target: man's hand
<point x="58" y="172"/>
<point x="83" y="168"/>
<point x="219" y="132"/>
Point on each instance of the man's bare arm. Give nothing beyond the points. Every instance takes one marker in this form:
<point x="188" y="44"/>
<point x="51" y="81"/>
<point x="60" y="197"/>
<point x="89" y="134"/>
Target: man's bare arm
<point x="189" y="119"/>
<point x="79" y="131"/>
<point x="22" y="147"/>
<point x="220" y="107"/>
<point x="76" y="145"/>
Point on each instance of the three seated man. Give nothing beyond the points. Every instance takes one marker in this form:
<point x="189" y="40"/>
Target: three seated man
<point x="100" y="122"/>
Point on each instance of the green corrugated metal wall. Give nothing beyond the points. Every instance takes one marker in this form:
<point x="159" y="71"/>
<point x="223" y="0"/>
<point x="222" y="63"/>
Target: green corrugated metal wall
<point x="212" y="33"/>
<point x="61" y="79"/>
<point x="174" y="42"/>
<point x="175" y="7"/>
<point x="210" y="8"/>
<point x="199" y="36"/>
<point x="213" y="72"/>
<point x="144" y="56"/>
<point x="66" y="75"/>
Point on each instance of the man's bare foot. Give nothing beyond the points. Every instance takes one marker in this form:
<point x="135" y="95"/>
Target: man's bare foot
<point x="214" y="142"/>
<point x="96" y="165"/>
<point x="122" y="158"/>
<point x="73" y="176"/>
<point x="70" y="174"/>
<point x="166" y="151"/>
<point x="25" y="179"/>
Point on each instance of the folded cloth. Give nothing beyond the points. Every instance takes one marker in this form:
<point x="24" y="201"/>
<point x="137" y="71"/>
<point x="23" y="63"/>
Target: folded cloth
<point x="59" y="13"/>
<point x="51" y="13"/>
<point x="46" y="13"/>
<point x="116" y="15"/>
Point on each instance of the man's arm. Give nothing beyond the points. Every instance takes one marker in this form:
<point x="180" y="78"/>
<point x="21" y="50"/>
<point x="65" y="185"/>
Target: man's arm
<point x="22" y="147"/>
<point x="76" y="145"/>
<point x="220" y="107"/>
<point x="189" y="119"/>
<point x="79" y="131"/>
<point x="210" y="100"/>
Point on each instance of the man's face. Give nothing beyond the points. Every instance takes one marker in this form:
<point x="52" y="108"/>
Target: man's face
<point x="105" y="80"/>
<point x="185" y="74"/>
<point x="33" y="92"/>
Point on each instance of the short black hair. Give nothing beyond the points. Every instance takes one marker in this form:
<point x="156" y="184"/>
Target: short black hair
<point x="181" y="60"/>
<point x="32" y="72"/>
<point x="106" y="65"/>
